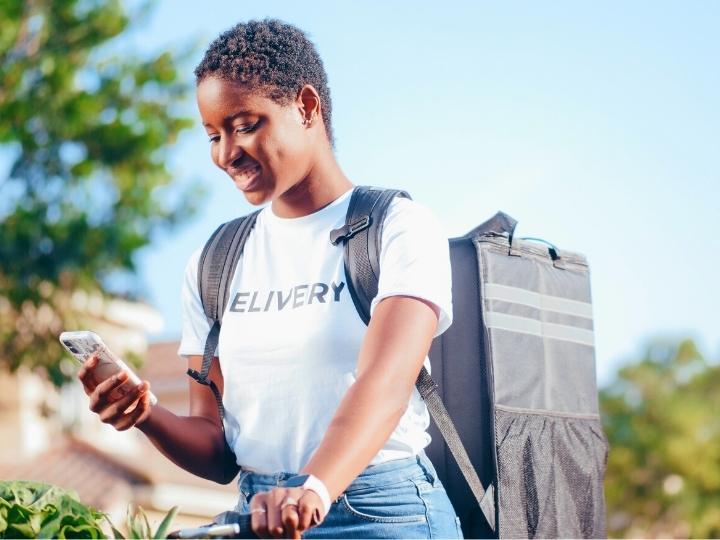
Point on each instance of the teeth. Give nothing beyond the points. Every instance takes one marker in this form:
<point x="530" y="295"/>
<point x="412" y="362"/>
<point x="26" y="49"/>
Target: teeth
<point x="245" y="176"/>
<point x="247" y="170"/>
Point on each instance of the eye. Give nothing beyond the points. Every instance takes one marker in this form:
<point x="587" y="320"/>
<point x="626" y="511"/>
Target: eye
<point x="247" y="128"/>
<point x="214" y="138"/>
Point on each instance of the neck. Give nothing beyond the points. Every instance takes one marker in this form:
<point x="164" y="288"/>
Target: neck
<point x="324" y="183"/>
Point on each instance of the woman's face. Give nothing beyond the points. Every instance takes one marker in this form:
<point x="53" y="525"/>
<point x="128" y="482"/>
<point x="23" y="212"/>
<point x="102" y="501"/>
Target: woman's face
<point x="263" y="146"/>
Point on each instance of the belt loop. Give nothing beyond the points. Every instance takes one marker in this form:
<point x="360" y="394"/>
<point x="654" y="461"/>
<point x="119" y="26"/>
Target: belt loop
<point x="428" y="472"/>
<point x="241" y="483"/>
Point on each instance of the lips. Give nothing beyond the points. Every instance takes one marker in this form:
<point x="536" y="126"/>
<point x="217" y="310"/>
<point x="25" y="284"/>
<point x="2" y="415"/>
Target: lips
<point x="244" y="177"/>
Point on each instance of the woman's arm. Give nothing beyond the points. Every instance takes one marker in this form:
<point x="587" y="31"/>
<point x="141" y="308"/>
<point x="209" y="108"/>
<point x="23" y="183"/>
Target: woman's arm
<point x="392" y="354"/>
<point x="393" y="350"/>
<point x="195" y="443"/>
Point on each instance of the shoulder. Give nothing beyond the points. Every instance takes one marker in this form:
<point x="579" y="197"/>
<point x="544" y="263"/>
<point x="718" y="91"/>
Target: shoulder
<point x="404" y="208"/>
<point x="413" y="218"/>
<point x="193" y="261"/>
<point x="190" y="281"/>
<point x="191" y="266"/>
<point x="415" y="258"/>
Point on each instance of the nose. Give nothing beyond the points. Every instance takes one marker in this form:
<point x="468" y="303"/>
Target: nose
<point x="227" y="152"/>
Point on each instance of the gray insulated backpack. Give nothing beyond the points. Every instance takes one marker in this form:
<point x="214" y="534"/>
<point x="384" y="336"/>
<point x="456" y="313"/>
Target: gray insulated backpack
<point x="514" y="396"/>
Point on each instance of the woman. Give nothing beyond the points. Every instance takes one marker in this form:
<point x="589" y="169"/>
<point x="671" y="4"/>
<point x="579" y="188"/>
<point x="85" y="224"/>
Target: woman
<point x="322" y="417"/>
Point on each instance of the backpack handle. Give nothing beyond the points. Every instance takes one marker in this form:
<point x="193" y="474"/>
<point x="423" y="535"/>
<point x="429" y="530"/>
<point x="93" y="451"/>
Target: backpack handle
<point x="552" y="248"/>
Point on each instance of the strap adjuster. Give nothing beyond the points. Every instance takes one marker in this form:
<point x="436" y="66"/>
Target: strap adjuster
<point x="425" y="384"/>
<point x="198" y="377"/>
<point x="346" y="232"/>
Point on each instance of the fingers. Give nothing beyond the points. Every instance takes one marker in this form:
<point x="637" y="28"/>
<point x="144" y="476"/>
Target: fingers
<point x="138" y="414"/>
<point x="289" y="517"/>
<point x="85" y="374"/>
<point x="284" y="512"/>
<point x="115" y="402"/>
<point x="307" y="507"/>
<point x="147" y="406"/>
<point x="258" y="512"/>
<point x="274" y="517"/>
<point x="115" y="410"/>
<point x="100" y="396"/>
<point x="131" y="409"/>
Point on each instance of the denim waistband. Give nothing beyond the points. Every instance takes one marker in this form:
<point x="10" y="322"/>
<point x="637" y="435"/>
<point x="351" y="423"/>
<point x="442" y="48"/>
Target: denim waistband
<point x="374" y="475"/>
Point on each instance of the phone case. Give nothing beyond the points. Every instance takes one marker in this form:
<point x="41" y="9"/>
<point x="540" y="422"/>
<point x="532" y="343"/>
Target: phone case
<point x="83" y="344"/>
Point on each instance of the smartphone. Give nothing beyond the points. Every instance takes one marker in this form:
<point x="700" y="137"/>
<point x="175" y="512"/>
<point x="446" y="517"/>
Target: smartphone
<point x="83" y="344"/>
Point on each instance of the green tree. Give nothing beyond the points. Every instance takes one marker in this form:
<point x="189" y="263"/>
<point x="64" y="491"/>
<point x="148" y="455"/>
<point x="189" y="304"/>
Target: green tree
<point x="661" y="418"/>
<point x="86" y="127"/>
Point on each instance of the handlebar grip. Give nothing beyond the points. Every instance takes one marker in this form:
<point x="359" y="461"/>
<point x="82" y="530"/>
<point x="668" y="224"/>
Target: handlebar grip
<point x="228" y="525"/>
<point x="245" y="529"/>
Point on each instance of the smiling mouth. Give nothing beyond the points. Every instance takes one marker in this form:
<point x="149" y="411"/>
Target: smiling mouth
<point x="245" y="177"/>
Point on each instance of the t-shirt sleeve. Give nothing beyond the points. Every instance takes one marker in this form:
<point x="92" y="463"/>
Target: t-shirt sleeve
<point x="415" y="259"/>
<point x="195" y="325"/>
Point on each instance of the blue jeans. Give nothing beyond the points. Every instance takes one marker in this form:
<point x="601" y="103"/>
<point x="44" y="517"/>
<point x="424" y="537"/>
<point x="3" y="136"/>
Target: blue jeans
<point x="396" y="499"/>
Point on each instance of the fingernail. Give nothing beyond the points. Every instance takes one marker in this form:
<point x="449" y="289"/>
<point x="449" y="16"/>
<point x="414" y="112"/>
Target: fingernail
<point x="121" y="376"/>
<point x="142" y="387"/>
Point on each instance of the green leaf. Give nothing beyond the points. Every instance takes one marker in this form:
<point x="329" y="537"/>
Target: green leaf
<point x="116" y="533"/>
<point x="36" y="510"/>
<point x="148" y="531"/>
<point x="165" y="523"/>
<point x="134" y="524"/>
<point x="21" y="530"/>
<point x="50" y="528"/>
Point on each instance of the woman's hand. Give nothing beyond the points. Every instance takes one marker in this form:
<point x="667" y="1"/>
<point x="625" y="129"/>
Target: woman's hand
<point x="123" y="412"/>
<point x="285" y="512"/>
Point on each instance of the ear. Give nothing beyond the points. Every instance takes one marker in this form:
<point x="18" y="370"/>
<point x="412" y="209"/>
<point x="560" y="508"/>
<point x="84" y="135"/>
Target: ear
<point x="308" y="103"/>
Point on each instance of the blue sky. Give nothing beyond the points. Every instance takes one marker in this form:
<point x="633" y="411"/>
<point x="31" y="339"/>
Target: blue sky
<point x="595" y="125"/>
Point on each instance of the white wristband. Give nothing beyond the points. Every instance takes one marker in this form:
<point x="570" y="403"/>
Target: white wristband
<point x="314" y="484"/>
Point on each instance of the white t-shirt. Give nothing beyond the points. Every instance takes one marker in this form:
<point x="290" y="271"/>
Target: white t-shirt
<point x="291" y="335"/>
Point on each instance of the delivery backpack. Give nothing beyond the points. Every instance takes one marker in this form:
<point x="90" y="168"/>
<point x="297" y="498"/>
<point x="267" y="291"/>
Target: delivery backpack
<point x="515" y="371"/>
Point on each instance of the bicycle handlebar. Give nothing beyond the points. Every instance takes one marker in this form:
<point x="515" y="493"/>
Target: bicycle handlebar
<point x="235" y="525"/>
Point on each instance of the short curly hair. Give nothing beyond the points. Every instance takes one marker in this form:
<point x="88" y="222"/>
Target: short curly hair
<point x="272" y="56"/>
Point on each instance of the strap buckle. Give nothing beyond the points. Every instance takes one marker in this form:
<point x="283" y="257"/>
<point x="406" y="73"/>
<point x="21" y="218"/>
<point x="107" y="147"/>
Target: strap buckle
<point x="346" y="232"/>
<point x="198" y="377"/>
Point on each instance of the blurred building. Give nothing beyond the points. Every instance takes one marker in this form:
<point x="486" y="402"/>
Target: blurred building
<point x="57" y="439"/>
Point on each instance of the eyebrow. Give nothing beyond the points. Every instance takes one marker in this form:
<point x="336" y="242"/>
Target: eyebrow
<point x="232" y="116"/>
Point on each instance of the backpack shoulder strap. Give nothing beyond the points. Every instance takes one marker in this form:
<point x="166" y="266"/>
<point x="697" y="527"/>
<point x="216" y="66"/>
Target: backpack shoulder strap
<point x="362" y="234"/>
<point x="428" y="389"/>
<point x="216" y="268"/>
<point x="218" y="261"/>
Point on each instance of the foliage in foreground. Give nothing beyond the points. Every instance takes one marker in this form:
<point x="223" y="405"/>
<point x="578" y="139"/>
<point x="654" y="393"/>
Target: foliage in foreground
<point x="138" y="525"/>
<point x="661" y="419"/>
<point x="37" y="510"/>
<point x="86" y="131"/>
